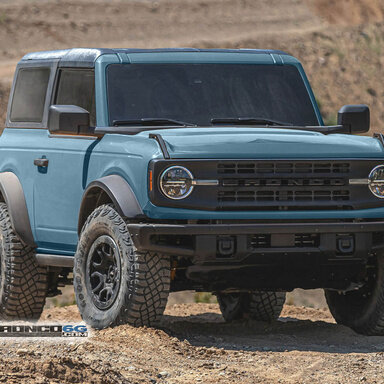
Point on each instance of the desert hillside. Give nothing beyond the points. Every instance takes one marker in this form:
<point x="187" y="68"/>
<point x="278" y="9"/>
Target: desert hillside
<point x="340" y="43"/>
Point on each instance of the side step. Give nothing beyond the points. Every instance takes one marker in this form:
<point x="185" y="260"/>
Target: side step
<point x="54" y="260"/>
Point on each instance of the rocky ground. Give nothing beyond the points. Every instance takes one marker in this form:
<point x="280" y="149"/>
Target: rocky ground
<point x="194" y="345"/>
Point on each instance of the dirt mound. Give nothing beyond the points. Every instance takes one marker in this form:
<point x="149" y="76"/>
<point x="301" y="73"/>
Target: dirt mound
<point x="56" y="370"/>
<point x="194" y="345"/>
<point x="350" y="12"/>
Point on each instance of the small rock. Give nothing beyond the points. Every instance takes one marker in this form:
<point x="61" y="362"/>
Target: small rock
<point x="163" y="374"/>
<point x="22" y="352"/>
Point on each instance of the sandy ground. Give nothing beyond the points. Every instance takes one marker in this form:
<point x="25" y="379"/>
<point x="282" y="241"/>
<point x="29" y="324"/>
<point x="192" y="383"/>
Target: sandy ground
<point x="194" y="345"/>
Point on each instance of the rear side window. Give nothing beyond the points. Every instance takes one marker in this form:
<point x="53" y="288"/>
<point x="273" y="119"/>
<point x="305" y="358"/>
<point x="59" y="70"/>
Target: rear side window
<point x="29" y="95"/>
<point x="77" y="87"/>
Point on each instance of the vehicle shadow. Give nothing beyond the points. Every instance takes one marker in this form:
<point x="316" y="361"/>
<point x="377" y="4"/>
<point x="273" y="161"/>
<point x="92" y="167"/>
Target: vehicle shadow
<point x="286" y="334"/>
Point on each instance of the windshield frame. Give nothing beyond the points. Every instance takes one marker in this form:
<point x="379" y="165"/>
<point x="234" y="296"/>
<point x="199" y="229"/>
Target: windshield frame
<point x="103" y="62"/>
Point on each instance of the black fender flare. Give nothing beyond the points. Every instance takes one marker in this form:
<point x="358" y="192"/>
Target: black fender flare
<point x="13" y="195"/>
<point x="109" y="188"/>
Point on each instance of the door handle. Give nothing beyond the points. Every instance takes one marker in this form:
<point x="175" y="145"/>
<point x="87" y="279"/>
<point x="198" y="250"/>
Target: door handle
<point x="41" y="162"/>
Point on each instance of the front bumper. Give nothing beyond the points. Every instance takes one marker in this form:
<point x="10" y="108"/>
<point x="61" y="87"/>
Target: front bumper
<point x="266" y="256"/>
<point x="209" y="242"/>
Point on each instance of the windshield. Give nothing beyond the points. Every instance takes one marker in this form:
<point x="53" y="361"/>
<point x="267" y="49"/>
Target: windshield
<point x="200" y="93"/>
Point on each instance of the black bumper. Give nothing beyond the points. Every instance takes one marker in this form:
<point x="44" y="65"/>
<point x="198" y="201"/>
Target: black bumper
<point x="207" y="242"/>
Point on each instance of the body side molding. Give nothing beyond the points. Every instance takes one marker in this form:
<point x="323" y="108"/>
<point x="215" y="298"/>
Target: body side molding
<point x="109" y="188"/>
<point x="13" y="195"/>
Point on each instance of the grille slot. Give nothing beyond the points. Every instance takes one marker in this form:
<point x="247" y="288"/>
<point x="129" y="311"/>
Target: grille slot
<point x="307" y="240"/>
<point x="282" y="195"/>
<point x="302" y="240"/>
<point x="260" y="241"/>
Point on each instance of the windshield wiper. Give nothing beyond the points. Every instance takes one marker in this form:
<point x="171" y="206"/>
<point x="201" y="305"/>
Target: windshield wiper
<point x="248" y="121"/>
<point x="152" y="121"/>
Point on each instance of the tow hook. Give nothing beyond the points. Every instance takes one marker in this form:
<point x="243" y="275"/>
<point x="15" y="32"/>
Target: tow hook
<point x="226" y="246"/>
<point x="345" y="244"/>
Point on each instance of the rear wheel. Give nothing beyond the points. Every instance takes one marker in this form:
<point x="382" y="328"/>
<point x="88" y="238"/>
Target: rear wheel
<point x="114" y="283"/>
<point x="362" y="309"/>
<point x="257" y="305"/>
<point x="23" y="283"/>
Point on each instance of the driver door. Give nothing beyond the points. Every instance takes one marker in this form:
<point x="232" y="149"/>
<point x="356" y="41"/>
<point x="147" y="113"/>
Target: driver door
<point x="61" y="168"/>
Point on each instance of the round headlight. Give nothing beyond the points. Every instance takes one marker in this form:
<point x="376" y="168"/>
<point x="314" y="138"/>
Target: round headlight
<point x="176" y="182"/>
<point x="376" y="181"/>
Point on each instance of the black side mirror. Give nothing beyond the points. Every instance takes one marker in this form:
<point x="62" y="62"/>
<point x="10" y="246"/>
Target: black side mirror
<point x="68" y="119"/>
<point x="354" y="118"/>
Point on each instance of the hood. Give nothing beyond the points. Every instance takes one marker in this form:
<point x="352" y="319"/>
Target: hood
<point x="242" y="143"/>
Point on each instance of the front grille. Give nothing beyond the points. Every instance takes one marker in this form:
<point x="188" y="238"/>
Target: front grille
<point x="273" y="185"/>
<point x="278" y="183"/>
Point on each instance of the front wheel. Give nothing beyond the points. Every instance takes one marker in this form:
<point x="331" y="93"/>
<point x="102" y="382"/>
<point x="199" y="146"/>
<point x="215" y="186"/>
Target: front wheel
<point x="114" y="283"/>
<point x="257" y="305"/>
<point x="362" y="309"/>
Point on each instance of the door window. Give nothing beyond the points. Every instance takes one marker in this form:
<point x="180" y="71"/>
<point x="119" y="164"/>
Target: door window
<point x="77" y="87"/>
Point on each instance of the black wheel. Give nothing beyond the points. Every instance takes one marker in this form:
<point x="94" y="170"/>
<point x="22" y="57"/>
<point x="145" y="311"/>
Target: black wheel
<point x="257" y="305"/>
<point x="23" y="283"/>
<point x="114" y="283"/>
<point x="362" y="309"/>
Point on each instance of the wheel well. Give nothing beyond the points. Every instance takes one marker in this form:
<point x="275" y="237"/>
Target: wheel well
<point x="109" y="189"/>
<point x="11" y="193"/>
<point x="94" y="198"/>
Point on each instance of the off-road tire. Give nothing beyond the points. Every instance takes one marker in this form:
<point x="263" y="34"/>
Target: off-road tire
<point x="257" y="305"/>
<point x="362" y="309"/>
<point x="23" y="283"/>
<point x="144" y="276"/>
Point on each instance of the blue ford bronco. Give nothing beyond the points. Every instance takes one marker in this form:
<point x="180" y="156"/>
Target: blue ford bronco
<point x="144" y="172"/>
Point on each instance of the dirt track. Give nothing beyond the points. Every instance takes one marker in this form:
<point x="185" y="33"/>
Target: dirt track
<point x="194" y="345"/>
